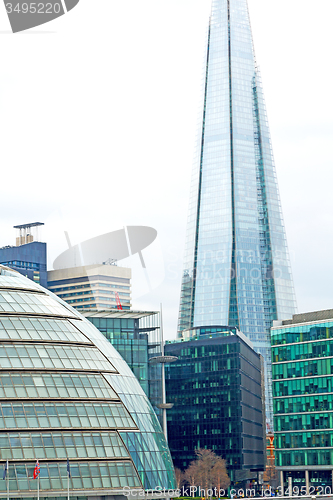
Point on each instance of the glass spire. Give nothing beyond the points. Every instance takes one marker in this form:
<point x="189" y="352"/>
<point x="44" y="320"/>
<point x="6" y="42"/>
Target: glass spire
<point x="236" y="266"/>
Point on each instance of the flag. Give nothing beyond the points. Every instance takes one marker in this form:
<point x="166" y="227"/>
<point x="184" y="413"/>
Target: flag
<point x="5" y="470"/>
<point x="36" y="470"/>
<point x="68" y="468"/>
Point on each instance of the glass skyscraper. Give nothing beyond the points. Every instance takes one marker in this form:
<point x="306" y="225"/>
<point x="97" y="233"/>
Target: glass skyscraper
<point x="236" y="266"/>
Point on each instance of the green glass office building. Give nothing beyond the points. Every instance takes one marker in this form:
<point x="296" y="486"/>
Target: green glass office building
<point x="302" y="370"/>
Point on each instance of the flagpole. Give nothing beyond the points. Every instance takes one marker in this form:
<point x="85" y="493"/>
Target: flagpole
<point x="7" y="480"/>
<point x="38" y="487"/>
<point x="68" y="476"/>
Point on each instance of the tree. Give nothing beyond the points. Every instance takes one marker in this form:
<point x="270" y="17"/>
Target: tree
<point x="206" y="460"/>
<point x="270" y="476"/>
<point x="179" y="478"/>
<point x="220" y="477"/>
<point x="208" y="471"/>
<point x="192" y="475"/>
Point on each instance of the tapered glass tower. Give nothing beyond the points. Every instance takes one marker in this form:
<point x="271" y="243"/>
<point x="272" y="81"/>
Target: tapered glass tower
<point x="236" y="266"/>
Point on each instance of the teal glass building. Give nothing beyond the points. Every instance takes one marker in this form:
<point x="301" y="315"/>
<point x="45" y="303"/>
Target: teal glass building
<point x="137" y="337"/>
<point x="302" y="369"/>
<point x="236" y="265"/>
<point x="66" y="393"/>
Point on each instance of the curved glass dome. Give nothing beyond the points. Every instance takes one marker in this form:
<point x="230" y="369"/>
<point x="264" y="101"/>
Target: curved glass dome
<point x="66" y="393"/>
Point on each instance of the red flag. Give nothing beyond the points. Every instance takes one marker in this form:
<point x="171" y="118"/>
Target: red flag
<point x="36" y="470"/>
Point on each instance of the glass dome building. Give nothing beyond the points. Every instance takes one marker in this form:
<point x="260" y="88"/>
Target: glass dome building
<point x="66" y="394"/>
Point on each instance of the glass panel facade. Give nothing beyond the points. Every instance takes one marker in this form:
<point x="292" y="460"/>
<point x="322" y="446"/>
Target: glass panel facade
<point x="40" y="329"/>
<point x="51" y="385"/>
<point x="124" y="335"/>
<point x="302" y="372"/>
<point x="84" y="475"/>
<point x="8" y="280"/>
<point x="62" y="445"/>
<point x="52" y="357"/>
<point x="27" y="302"/>
<point x="63" y="414"/>
<point x="136" y="338"/>
<point x="236" y="264"/>
<point x="303" y="404"/>
<point x="63" y="387"/>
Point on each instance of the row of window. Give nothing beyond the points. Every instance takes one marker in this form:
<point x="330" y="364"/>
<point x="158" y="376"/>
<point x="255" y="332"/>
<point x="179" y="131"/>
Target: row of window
<point x="57" y="385"/>
<point x="62" y="415"/>
<point x="302" y="368"/>
<point x="302" y="333"/>
<point x="310" y="385"/>
<point x="303" y="421"/>
<point x="303" y="404"/>
<point x="306" y="350"/>
<point x="28" y="302"/>
<point x="22" y="264"/>
<point x="53" y="476"/>
<point x="115" y="324"/>
<point x="297" y="458"/>
<point x="40" y="329"/>
<point x="90" y="285"/>
<point x="48" y="356"/>
<point x="214" y="350"/>
<point x="304" y="440"/>
<point x="62" y="445"/>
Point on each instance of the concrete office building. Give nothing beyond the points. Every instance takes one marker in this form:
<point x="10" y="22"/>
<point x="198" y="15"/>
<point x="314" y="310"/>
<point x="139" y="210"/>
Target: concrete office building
<point x="302" y="369"/>
<point x="93" y="287"/>
<point x="215" y="386"/>
<point x="66" y="393"/>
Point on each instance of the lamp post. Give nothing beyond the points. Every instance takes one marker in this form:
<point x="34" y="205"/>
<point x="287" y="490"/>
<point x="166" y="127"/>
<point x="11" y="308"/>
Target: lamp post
<point x="162" y="359"/>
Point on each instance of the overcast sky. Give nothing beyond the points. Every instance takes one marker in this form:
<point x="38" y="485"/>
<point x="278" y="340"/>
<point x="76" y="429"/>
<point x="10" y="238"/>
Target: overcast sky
<point x="98" y="114"/>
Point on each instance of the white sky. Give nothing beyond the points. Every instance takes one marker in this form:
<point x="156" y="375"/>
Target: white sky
<point x="98" y="114"/>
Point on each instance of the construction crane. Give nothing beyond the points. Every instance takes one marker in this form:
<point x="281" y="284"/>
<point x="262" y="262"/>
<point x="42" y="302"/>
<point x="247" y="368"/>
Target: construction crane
<point x="119" y="307"/>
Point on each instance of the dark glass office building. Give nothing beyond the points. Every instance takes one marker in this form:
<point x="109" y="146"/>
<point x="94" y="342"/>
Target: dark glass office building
<point x="217" y="393"/>
<point x="236" y="264"/>
<point x="302" y="369"/>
